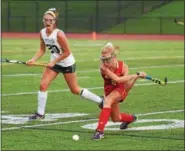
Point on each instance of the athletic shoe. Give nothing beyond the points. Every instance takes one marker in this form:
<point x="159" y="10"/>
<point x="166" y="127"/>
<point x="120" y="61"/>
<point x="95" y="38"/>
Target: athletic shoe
<point x="36" y="116"/>
<point x="98" y="135"/>
<point x="124" y="125"/>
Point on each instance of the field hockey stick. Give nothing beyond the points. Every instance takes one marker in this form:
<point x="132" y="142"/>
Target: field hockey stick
<point x="155" y="80"/>
<point x="158" y="81"/>
<point x="21" y="62"/>
<point x="178" y="22"/>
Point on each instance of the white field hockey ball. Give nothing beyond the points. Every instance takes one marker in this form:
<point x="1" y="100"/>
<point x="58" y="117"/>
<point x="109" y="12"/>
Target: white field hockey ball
<point x="75" y="137"/>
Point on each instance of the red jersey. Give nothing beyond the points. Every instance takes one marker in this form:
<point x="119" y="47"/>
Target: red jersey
<point x="110" y="85"/>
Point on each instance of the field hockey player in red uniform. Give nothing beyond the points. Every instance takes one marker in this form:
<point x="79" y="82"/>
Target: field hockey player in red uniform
<point x="117" y="84"/>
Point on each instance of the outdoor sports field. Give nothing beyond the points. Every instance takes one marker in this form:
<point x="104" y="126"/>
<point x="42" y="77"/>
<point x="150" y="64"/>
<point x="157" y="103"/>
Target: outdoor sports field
<point x="160" y="109"/>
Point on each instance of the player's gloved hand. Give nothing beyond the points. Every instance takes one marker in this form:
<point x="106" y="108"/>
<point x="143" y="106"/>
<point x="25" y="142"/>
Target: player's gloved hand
<point x="30" y="62"/>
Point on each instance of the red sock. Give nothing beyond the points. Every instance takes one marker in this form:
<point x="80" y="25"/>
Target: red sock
<point x="103" y="118"/>
<point x="126" y="117"/>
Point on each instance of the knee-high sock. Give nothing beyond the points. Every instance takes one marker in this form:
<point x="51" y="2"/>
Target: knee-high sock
<point x="126" y="117"/>
<point x="103" y="118"/>
<point x="42" y="98"/>
<point x="90" y="96"/>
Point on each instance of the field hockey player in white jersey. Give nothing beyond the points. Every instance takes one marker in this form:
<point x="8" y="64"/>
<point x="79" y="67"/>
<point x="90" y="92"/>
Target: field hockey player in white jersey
<point x="61" y="61"/>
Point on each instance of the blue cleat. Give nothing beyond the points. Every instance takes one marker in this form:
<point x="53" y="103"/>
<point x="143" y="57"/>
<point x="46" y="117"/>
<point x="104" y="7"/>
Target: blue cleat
<point x="98" y="135"/>
<point x="36" y="116"/>
<point x="124" y="125"/>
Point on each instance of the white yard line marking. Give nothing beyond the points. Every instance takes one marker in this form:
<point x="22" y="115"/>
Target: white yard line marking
<point x="144" y="67"/>
<point x="40" y="125"/>
<point x="97" y="52"/>
<point x="21" y="75"/>
<point x="77" y="121"/>
<point x="92" y="88"/>
<point x="95" y="70"/>
<point x="138" y="58"/>
<point x="88" y="53"/>
<point x="162" y="112"/>
<point x="88" y="45"/>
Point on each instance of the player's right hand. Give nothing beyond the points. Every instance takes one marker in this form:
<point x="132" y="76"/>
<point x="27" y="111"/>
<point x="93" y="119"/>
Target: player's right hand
<point x="30" y="62"/>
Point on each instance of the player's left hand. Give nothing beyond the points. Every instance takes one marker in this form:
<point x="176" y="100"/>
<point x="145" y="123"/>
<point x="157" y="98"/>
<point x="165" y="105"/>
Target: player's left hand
<point x="142" y="74"/>
<point x="51" y="64"/>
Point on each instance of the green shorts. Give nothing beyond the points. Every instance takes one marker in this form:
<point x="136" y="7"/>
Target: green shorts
<point x="69" y="69"/>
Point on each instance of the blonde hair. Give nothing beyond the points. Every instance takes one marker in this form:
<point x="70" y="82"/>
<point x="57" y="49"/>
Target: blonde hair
<point x="53" y="12"/>
<point x="110" y="48"/>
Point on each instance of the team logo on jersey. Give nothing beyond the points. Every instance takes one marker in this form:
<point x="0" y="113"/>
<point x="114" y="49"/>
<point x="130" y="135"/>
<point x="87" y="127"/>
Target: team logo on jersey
<point x="49" y="41"/>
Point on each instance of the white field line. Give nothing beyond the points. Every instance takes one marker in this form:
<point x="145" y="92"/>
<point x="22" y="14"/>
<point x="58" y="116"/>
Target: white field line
<point x="90" y="52"/>
<point x="88" y="45"/>
<point x="138" y="58"/>
<point x="92" y="88"/>
<point x="49" y="124"/>
<point x="134" y="68"/>
<point x="163" y="112"/>
<point x="95" y="70"/>
<point x="77" y="121"/>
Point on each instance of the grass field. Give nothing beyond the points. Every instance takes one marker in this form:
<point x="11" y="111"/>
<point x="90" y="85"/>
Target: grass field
<point x="161" y="106"/>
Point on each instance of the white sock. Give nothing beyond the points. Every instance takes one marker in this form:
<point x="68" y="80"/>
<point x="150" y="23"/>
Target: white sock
<point x="42" y="98"/>
<point x="90" y="96"/>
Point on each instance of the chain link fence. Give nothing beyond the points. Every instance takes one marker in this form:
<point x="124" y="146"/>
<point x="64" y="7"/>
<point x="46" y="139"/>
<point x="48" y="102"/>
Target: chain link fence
<point x="87" y="16"/>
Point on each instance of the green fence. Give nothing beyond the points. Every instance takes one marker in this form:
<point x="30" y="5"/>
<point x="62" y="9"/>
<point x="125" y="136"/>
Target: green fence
<point x="86" y="16"/>
<point x="148" y="25"/>
<point x="144" y="25"/>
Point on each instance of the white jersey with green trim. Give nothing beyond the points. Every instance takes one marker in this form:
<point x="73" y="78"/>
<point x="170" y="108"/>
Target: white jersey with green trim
<point x="55" y="49"/>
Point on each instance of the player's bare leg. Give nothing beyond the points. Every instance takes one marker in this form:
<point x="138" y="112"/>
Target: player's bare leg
<point x="47" y="77"/>
<point x="71" y="80"/>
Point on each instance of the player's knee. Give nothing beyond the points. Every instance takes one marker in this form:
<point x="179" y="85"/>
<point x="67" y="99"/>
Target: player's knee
<point x="43" y="86"/>
<point x="75" y="91"/>
<point x="115" y="119"/>
<point x="107" y="103"/>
